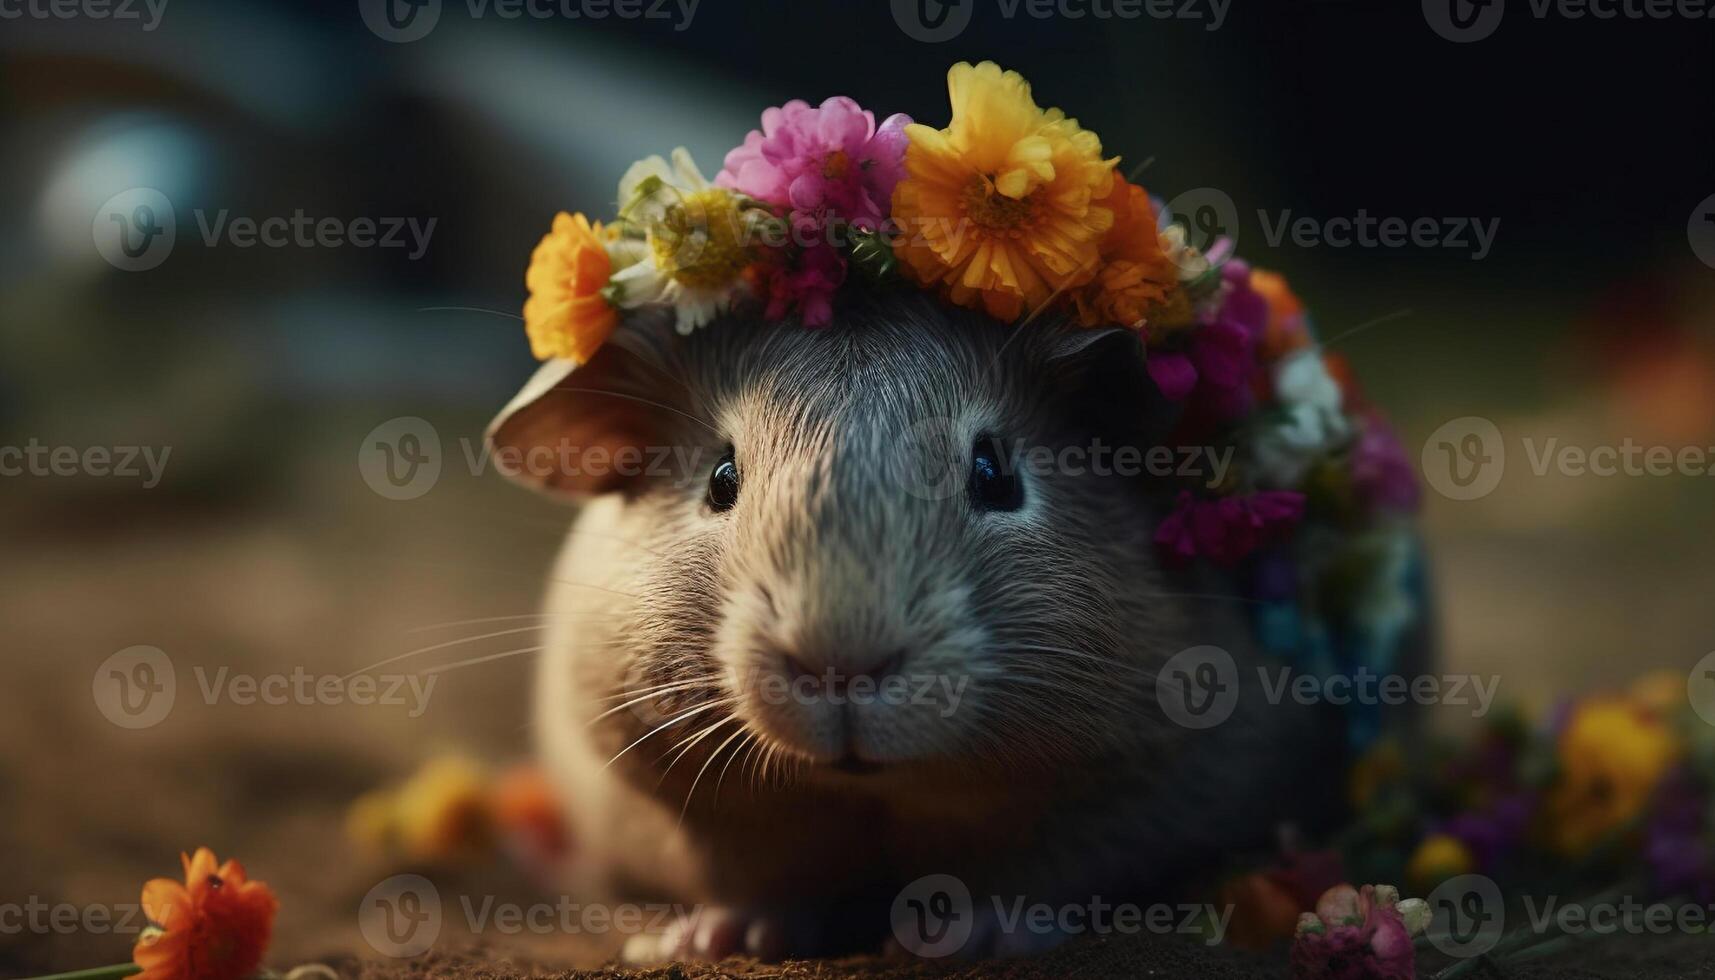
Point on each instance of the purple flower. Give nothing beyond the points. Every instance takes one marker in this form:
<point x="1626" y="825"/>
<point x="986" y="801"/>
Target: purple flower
<point x="829" y="161"/>
<point x="1226" y="529"/>
<point x="1679" y="858"/>
<point x="1217" y="364"/>
<point x="1382" y="473"/>
<point x="1492" y="833"/>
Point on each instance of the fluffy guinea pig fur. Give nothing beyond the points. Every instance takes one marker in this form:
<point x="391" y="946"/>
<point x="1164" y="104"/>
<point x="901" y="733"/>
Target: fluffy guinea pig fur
<point x="815" y="632"/>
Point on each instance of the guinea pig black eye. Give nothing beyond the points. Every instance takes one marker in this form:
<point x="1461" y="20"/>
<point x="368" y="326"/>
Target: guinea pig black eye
<point x="994" y="484"/>
<point x="723" y="484"/>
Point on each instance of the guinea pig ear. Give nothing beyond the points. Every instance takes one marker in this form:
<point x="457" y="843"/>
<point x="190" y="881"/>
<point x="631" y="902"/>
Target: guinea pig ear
<point x="1104" y="368"/>
<point x="578" y="430"/>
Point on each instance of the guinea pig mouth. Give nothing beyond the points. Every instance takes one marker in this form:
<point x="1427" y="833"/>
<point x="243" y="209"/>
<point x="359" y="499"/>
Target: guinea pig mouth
<point x="850" y="763"/>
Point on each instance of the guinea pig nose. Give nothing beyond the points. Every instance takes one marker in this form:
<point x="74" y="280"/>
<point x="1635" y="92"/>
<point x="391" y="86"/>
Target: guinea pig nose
<point x="835" y="673"/>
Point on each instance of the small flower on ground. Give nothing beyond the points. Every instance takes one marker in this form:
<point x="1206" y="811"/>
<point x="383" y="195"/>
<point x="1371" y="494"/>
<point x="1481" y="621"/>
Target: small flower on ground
<point x="1226" y="529"/>
<point x="528" y="814"/>
<point x="442" y="810"/>
<point x="1354" y="934"/>
<point x="1437" y="858"/>
<point x="213" y="926"/>
<point x="1001" y="209"/>
<point x="1612" y="754"/>
<point x="567" y="314"/>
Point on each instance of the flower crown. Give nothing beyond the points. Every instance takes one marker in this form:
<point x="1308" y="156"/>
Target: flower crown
<point x="1012" y="209"/>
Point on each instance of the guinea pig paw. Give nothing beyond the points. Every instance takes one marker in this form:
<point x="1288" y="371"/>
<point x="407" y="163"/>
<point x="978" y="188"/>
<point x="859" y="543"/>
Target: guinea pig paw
<point x="714" y="933"/>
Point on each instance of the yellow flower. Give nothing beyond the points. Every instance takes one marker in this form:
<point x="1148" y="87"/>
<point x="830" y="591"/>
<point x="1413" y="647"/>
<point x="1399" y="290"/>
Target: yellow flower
<point x="1438" y="858"/>
<point x="566" y="315"/>
<point x="1612" y="754"/>
<point x="1003" y="207"/>
<point x="443" y="810"/>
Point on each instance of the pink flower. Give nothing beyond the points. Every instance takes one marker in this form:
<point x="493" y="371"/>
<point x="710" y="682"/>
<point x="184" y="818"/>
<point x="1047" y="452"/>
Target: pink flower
<point x="1354" y="935"/>
<point x="830" y="161"/>
<point x="1219" y="361"/>
<point x="1226" y="529"/>
<point x="807" y="286"/>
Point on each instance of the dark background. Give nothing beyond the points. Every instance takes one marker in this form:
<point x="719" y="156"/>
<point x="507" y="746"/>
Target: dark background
<point x="263" y="368"/>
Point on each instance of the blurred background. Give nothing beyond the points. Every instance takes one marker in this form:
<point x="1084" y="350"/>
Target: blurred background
<point x="264" y="371"/>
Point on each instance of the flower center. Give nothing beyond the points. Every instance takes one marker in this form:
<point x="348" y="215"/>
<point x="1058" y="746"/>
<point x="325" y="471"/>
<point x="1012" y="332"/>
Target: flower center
<point x="835" y="165"/>
<point x="700" y="240"/>
<point x="993" y="211"/>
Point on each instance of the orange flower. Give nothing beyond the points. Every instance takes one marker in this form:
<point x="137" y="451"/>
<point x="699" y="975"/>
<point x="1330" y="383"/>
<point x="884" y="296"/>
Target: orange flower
<point x="1285" y="330"/>
<point x="567" y="315"/>
<point x="525" y="808"/>
<point x="213" y="927"/>
<point x="1134" y="274"/>
<point x="1263" y="910"/>
<point x="1002" y="208"/>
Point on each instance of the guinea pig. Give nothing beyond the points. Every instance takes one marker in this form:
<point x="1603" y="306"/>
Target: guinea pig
<point x="789" y="518"/>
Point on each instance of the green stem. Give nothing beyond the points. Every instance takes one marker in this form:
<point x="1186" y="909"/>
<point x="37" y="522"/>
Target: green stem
<point x="113" y="972"/>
